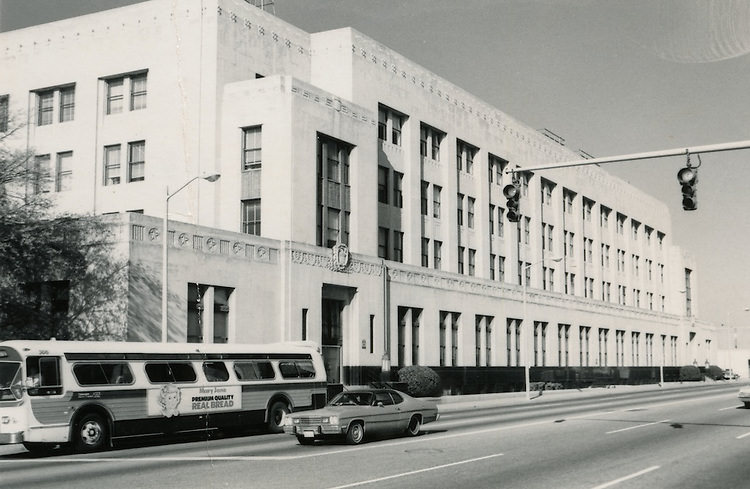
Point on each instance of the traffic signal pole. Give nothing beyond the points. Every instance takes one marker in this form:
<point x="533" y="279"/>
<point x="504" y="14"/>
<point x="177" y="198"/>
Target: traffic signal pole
<point x="711" y="148"/>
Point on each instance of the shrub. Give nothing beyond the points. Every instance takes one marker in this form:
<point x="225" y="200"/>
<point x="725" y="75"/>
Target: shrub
<point x="421" y="381"/>
<point x="715" y="372"/>
<point x="690" y="372"/>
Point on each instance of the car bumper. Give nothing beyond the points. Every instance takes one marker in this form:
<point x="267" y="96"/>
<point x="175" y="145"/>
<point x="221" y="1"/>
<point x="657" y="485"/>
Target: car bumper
<point x="313" y="431"/>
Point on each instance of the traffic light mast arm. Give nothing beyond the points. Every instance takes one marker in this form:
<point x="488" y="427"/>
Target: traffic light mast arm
<point x="712" y="148"/>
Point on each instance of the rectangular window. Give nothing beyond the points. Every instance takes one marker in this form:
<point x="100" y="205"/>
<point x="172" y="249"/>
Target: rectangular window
<point x="45" y="107"/>
<point x="470" y="211"/>
<point x="398" y="196"/>
<point x="437" y="254"/>
<point x="382" y="184"/>
<point x="436" y="201"/>
<point x="254" y="370"/>
<point x="251" y="216"/>
<point x="102" y="373"/>
<point x="472" y="261"/>
<point x="398" y="246"/>
<point x="251" y="148"/>
<point x="41" y="175"/>
<point x="112" y="164"/>
<point x="382" y="123"/>
<point x="383" y="243"/>
<point x="45" y="375"/>
<point x="64" y="171"/>
<point x="136" y="161"/>
<point x="461" y="251"/>
<point x="138" y="92"/>
<point x="67" y="103"/>
<point x="115" y="87"/>
<point x="168" y="372"/>
<point x="425" y="252"/>
<point x="215" y="371"/>
<point x="460" y="209"/>
<point x="424" y="188"/>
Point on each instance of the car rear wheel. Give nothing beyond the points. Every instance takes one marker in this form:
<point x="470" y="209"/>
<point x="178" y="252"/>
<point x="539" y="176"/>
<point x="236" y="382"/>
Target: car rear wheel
<point x="355" y="434"/>
<point x="747" y="404"/>
<point x="415" y="423"/>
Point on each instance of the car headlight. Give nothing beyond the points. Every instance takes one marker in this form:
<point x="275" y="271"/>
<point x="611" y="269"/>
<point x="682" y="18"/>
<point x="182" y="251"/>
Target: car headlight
<point x="295" y="420"/>
<point x="333" y="420"/>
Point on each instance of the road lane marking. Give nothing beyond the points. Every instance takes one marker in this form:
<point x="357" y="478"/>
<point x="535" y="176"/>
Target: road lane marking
<point x="413" y="472"/>
<point x="638" y="426"/>
<point x="743" y="436"/>
<point x="627" y="477"/>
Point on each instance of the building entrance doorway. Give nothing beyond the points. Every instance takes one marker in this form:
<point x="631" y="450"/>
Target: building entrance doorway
<point x="334" y="319"/>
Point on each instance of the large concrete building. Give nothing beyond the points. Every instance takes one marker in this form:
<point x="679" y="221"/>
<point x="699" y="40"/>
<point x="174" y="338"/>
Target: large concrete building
<point x="360" y="201"/>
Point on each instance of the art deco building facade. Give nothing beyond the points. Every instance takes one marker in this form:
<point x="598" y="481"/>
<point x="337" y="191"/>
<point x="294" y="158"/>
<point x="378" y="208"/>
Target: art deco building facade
<point x="360" y="201"/>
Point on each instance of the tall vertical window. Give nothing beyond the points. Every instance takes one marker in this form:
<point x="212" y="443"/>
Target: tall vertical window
<point x="497" y="166"/>
<point x="333" y="192"/>
<point x="251" y="148"/>
<point x="251" y="216"/>
<point x="4" y="112"/>
<point x="136" y="161"/>
<point x="424" y="188"/>
<point x="398" y="196"/>
<point x="383" y="243"/>
<point x="437" y="254"/>
<point x="688" y="293"/>
<point x="436" y="189"/>
<point x="45" y="107"/>
<point x="389" y="125"/>
<point x="430" y="139"/>
<point x="460" y="209"/>
<point x="67" y="103"/>
<point x="115" y="87"/>
<point x="64" y="171"/>
<point x="138" y="92"/>
<point x="465" y="156"/>
<point x="398" y="246"/>
<point x="425" y="252"/>
<point x="472" y="261"/>
<point x="461" y="251"/>
<point x="470" y="211"/>
<point x="382" y="184"/>
<point x="112" y="164"/>
<point x="42" y="170"/>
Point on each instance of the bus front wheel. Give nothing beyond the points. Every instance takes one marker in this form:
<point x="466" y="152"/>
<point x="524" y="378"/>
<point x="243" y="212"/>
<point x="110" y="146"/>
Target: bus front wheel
<point x="276" y="414"/>
<point x="91" y="433"/>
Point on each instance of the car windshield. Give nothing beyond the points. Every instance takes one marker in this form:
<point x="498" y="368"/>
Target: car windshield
<point x="353" y="399"/>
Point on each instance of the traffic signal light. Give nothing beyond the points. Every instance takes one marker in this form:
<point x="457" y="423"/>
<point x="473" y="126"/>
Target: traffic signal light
<point x="512" y="192"/>
<point x="688" y="178"/>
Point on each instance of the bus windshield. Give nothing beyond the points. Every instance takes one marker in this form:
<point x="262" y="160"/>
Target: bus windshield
<point x="9" y="375"/>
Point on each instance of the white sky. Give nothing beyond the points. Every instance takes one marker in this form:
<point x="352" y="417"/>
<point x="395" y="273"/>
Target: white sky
<point x="611" y="77"/>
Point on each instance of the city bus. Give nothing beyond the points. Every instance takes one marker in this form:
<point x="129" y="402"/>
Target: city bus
<point x="90" y="394"/>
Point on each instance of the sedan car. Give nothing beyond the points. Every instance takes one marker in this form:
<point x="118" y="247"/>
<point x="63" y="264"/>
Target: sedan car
<point x="744" y="395"/>
<point x="356" y="413"/>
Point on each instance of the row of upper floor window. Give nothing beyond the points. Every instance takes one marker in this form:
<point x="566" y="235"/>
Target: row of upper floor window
<point x="124" y="92"/>
<point x="54" y="172"/>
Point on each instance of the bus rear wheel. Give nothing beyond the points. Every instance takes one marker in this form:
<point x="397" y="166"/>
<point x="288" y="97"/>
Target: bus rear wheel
<point x="276" y="415"/>
<point x="91" y="434"/>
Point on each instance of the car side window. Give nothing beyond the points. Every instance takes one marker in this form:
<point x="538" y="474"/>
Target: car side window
<point x="384" y="398"/>
<point x="397" y="399"/>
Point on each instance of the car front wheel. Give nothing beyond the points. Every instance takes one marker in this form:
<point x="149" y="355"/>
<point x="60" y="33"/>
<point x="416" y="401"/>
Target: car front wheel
<point x="355" y="434"/>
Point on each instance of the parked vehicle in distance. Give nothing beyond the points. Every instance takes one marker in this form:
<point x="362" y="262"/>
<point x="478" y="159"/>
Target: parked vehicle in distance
<point x="354" y="414"/>
<point x="729" y="374"/>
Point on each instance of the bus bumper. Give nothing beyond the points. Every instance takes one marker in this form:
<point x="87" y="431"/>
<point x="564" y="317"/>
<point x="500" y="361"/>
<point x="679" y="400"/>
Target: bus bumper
<point x="11" y="438"/>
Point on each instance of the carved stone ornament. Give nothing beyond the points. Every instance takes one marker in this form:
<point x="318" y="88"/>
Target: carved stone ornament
<point x="340" y="257"/>
<point x="183" y="239"/>
<point x="153" y="233"/>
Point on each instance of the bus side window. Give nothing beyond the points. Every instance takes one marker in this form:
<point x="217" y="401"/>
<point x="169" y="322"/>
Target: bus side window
<point x="44" y="373"/>
<point x="215" y="371"/>
<point x="254" y="370"/>
<point x="295" y="369"/>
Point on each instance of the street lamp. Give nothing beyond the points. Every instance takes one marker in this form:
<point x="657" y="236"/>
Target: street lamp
<point x="530" y="334"/>
<point x="165" y="252"/>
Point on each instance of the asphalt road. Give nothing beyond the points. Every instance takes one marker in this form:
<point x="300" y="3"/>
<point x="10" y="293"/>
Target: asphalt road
<point x="658" y="438"/>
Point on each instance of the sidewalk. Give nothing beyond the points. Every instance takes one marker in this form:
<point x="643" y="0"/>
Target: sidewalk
<point x="448" y="404"/>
